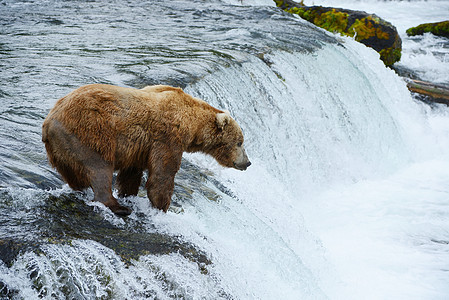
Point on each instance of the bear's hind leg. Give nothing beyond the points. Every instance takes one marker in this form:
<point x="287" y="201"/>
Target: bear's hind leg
<point x="58" y="144"/>
<point x="80" y="166"/>
<point x="100" y="175"/>
<point x="128" y="181"/>
<point x="72" y="172"/>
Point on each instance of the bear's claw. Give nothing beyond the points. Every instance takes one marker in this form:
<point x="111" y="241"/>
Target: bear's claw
<point x="122" y="211"/>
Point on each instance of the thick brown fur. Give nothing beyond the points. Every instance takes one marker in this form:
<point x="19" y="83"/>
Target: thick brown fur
<point x="98" y="128"/>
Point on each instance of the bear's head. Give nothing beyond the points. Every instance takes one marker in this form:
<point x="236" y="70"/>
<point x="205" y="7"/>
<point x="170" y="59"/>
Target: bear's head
<point x="229" y="151"/>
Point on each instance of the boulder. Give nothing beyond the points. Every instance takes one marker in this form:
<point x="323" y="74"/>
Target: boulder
<point x="367" y="29"/>
<point x="438" y="28"/>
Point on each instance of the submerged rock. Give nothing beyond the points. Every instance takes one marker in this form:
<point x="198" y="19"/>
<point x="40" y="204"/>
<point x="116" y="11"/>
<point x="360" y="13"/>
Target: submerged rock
<point x="438" y="28"/>
<point x="367" y="29"/>
<point x="11" y="248"/>
<point x="43" y="232"/>
<point x="67" y="217"/>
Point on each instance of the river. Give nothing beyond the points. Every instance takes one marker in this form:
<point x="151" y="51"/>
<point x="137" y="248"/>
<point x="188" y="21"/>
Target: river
<point x="347" y="196"/>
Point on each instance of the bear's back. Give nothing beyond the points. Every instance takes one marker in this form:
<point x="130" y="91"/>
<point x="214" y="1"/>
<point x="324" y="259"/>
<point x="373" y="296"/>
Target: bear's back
<point x="161" y="88"/>
<point x="167" y="97"/>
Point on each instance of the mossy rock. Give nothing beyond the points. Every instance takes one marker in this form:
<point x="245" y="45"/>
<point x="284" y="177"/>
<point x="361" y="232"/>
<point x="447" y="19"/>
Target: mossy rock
<point x="367" y="29"/>
<point x="438" y="28"/>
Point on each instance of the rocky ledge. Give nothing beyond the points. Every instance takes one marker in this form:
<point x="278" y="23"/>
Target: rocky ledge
<point x="438" y="28"/>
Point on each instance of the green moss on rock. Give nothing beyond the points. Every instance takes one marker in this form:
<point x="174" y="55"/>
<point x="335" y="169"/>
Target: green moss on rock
<point x="438" y="28"/>
<point x="366" y="28"/>
<point x="388" y="55"/>
<point x="333" y="21"/>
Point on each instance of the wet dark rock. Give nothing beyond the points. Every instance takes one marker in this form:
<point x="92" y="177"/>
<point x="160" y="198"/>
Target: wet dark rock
<point x="7" y="292"/>
<point x="437" y="28"/>
<point x="66" y="217"/>
<point x="190" y="179"/>
<point x="405" y="72"/>
<point x="367" y="29"/>
<point x="10" y="249"/>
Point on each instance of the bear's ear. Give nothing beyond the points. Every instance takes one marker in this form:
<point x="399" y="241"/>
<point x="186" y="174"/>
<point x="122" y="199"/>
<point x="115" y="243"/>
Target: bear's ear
<point x="222" y="119"/>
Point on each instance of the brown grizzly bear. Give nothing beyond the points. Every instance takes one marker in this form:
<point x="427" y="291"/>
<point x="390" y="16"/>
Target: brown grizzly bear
<point x="100" y="128"/>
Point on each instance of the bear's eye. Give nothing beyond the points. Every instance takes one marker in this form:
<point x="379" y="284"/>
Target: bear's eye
<point x="239" y="144"/>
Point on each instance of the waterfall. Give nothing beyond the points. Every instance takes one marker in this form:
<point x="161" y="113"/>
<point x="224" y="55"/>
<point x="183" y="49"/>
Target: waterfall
<point x="311" y="120"/>
<point x="346" y="197"/>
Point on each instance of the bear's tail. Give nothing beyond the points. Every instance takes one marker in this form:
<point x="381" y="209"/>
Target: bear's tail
<point x="45" y="132"/>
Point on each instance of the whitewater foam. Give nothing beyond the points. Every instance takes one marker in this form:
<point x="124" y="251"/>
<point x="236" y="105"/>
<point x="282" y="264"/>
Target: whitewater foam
<point x="339" y="117"/>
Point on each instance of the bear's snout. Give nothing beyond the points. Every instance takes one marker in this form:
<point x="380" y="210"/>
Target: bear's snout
<point x="242" y="167"/>
<point x="242" y="162"/>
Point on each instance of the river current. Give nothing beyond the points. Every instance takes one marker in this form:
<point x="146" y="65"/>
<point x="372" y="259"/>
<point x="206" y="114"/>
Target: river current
<point x="346" y="197"/>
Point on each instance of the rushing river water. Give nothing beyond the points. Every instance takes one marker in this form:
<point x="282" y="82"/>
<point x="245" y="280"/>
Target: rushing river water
<point x="346" y="197"/>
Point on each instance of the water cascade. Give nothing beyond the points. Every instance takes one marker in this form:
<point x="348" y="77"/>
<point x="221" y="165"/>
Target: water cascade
<point x="331" y="133"/>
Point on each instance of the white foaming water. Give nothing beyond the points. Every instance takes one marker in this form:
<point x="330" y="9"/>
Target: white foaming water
<point x="428" y="56"/>
<point x="346" y="197"/>
<point x="90" y="270"/>
<point x="388" y="238"/>
<point x="251" y="2"/>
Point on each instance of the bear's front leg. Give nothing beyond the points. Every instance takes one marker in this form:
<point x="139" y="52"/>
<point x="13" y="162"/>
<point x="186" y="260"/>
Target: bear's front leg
<point x="164" y="163"/>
